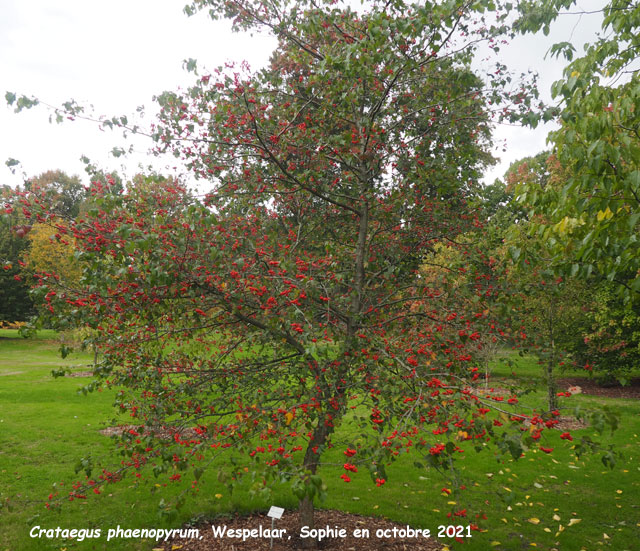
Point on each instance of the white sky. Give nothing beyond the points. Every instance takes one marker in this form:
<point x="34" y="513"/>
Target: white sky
<point x="116" y="55"/>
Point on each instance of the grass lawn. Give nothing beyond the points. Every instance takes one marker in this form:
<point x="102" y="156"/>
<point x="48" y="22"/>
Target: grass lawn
<point x="538" y="502"/>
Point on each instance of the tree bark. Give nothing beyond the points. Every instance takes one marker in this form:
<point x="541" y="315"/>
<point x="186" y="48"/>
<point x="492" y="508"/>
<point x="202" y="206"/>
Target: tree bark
<point x="552" y="397"/>
<point x="306" y="510"/>
<point x="305" y="506"/>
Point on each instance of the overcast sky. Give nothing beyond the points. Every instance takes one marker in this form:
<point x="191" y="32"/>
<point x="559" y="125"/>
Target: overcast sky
<point x="116" y="55"/>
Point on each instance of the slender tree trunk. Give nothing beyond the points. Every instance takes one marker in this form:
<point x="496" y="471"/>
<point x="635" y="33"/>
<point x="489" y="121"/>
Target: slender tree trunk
<point x="551" y="386"/>
<point x="552" y="397"/>
<point x="486" y="373"/>
<point x="306" y="507"/>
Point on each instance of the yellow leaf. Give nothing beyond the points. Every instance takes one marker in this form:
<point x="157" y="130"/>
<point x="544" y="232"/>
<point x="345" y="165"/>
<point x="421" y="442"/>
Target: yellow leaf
<point x="289" y="417"/>
<point x="534" y="520"/>
<point x="604" y="215"/>
<point x="556" y="517"/>
<point x="218" y="496"/>
<point x="618" y="491"/>
<point x="562" y="227"/>
<point x="495" y="543"/>
<point x="605" y="536"/>
<point x="574" y="521"/>
<point x="508" y="490"/>
<point x="547" y="530"/>
<point x="451" y="503"/>
<point x="175" y="547"/>
<point x="575" y="74"/>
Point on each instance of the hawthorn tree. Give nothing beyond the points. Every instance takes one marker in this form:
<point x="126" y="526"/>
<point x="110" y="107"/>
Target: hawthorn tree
<point x="252" y="322"/>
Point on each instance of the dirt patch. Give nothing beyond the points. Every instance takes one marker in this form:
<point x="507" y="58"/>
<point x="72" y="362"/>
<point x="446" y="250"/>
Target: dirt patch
<point x="492" y="391"/>
<point x="291" y="540"/>
<point x="164" y="433"/>
<point x="7" y="373"/>
<point x="80" y="374"/>
<point x="570" y="423"/>
<point x="589" y="386"/>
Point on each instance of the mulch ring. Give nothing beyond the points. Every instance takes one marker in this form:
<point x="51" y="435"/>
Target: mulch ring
<point x="291" y="539"/>
<point x="589" y="386"/>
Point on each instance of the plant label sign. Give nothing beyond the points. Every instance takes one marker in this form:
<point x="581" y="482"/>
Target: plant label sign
<point x="275" y="512"/>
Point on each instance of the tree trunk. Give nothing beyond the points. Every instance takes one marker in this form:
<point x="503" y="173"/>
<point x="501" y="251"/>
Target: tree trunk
<point x="552" y="397"/>
<point x="306" y="510"/>
<point x="305" y="507"/>
<point x="551" y="386"/>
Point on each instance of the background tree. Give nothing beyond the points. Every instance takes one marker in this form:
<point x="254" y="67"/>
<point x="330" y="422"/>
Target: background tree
<point x="611" y="347"/>
<point x="605" y="325"/>
<point x="64" y="193"/>
<point x="50" y="252"/>
<point x="15" y="302"/>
